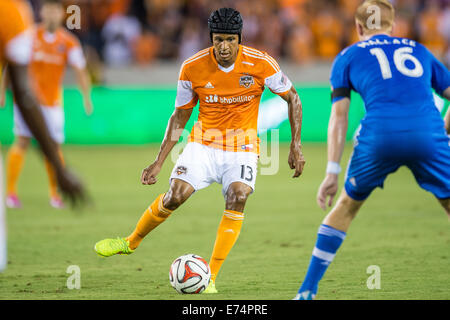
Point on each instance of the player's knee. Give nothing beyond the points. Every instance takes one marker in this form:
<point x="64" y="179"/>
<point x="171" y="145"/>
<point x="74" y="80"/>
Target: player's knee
<point x="173" y="199"/>
<point x="349" y="206"/>
<point x="348" y="203"/>
<point x="178" y="193"/>
<point x="236" y="198"/>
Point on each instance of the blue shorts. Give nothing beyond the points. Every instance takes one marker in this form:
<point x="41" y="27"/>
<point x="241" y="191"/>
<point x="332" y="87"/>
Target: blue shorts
<point x="426" y="154"/>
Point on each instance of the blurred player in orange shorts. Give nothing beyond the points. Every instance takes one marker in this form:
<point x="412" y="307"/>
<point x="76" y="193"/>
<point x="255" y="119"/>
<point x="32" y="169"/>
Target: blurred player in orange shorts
<point x="15" y="50"/>
<point x="53" y="49"/>
<point x="227" y="80"/>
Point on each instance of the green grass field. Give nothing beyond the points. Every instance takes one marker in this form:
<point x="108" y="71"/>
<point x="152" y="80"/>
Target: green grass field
<point x="402" y="229"/>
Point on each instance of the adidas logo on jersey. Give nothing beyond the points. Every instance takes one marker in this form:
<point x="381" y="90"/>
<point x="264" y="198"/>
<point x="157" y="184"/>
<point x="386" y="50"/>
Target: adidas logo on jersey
<point x="209" y="85"/>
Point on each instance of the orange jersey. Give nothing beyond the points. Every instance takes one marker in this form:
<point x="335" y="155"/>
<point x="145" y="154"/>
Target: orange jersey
<point x="229" y="97"/>
<point x="52" y="52"/>
<point x="15" y="38"/>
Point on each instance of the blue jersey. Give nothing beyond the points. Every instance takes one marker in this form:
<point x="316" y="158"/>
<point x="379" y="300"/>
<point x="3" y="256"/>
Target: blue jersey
<point x="402" y="126"/>
<point x="394" y="77"/>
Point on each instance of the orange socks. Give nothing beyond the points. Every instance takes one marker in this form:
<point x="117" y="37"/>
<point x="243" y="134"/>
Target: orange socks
<point x="52" y="182"/>
<point x="14" y="164"/>
<point x="227" y="234"/>
<point x="152" y="217"/>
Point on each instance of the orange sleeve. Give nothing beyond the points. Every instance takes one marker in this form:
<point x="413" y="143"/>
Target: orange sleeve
<point x="271" y="66"/>
<point x="72" y="41"/>
<point x="15" y="19"/>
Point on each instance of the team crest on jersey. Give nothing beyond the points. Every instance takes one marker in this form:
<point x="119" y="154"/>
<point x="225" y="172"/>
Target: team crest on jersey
<point x="181" y="170"/>
<point x="246" y="81"/>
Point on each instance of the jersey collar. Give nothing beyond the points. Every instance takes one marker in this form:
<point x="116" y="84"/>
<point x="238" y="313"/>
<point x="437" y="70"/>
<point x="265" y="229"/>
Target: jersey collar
<point x="45" y="35"/>
<point x="49" y="37"/>
<point x="380" y="35"/>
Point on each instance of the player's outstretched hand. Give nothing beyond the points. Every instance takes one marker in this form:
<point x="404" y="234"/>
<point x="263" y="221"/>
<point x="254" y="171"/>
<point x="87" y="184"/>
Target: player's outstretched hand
<point x="71" y="187"/>
<point x="296" y="160"/>
<point x="149" y="174"/>
<point x="88" y="107"/>
<point x="328" y="188"/>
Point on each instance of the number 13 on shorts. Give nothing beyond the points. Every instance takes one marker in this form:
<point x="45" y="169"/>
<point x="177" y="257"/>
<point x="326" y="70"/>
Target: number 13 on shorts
<point x="247" y="173"/>
<point x="239" y="167"/>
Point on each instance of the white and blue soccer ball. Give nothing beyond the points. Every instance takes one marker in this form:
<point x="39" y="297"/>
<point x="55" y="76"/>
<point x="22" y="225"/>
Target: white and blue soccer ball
<point x="189" y="273"/>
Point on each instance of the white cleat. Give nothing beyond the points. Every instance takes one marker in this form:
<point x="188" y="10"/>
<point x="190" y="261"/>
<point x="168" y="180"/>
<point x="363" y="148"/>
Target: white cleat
<point x="305" y="295"/>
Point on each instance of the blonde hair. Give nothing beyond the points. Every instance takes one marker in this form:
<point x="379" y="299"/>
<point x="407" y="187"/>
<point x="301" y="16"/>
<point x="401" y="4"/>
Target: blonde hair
<point x="366" y="15"/>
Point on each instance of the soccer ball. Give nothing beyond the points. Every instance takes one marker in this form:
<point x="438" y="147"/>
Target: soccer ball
<point x="189" y="273"/>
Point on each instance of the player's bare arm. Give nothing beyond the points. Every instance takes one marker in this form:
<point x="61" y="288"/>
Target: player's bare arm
<point x="3" y="86"/>
<point x="337" y="131"/>
<point x="69" y="184"/>
<point x="175" y="127"/>
<point x="296" y="160"/>
<point x="84" y="82"/>
<point x="446" y="95"/>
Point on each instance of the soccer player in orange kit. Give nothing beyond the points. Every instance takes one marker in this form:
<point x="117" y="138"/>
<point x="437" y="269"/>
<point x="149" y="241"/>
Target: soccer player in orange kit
<point x="53" y="49"/>
<point x="228" y="80"/>
<point x="15" y="50"/>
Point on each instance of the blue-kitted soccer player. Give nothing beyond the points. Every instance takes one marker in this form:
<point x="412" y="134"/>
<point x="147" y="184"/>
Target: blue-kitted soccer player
<point x="402" y="127"/>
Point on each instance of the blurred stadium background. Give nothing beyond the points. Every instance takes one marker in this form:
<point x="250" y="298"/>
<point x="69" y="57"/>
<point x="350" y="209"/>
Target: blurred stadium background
<point x="135" y="48"/>
<point x="145" y="32"/>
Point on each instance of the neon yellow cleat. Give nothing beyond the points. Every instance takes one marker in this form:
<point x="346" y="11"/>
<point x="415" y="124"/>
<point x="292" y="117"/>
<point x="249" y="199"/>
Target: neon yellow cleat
<point x="110" y="247"/>
<point x="211" y="288"/>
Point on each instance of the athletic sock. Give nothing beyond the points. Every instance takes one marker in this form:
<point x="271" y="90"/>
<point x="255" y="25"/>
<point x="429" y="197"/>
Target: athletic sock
<point x="152" y="217"/>
<point x="227" y="234"/>
<point x="14" y="165"/>
<point x="52" y="181"/>
<point x="328" y="242"/>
